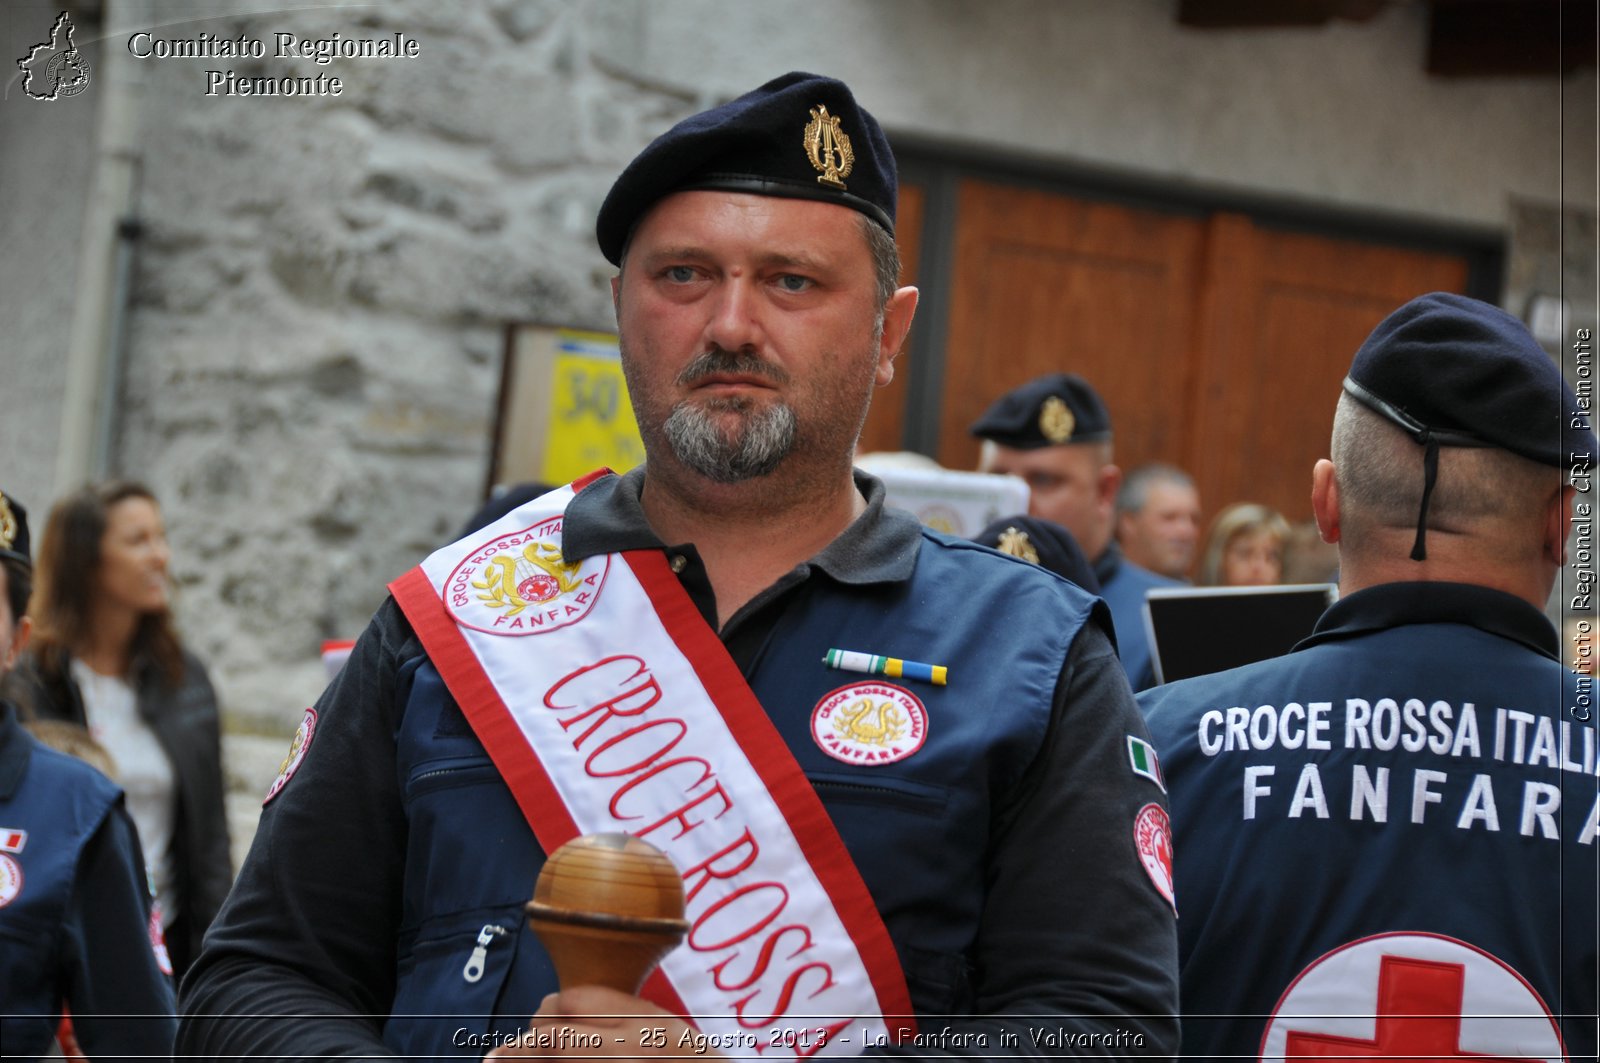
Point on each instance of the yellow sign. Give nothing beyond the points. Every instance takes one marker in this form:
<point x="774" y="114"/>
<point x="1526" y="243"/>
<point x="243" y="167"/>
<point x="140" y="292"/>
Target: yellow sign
<point x="590" y="418"/>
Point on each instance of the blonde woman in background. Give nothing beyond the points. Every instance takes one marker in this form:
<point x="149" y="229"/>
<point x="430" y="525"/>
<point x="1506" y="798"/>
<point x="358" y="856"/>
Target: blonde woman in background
<point x="1244" y="547"/>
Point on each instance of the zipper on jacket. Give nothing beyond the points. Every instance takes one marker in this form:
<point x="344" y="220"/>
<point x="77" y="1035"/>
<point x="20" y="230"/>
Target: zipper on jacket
<point x="473" y="971"/>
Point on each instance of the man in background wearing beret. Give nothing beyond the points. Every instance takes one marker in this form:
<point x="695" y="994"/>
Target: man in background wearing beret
<point x="1055" y="433"/>
<point x="1386" y="838"/>
<point x="894" y="769"/>
<point x="1040" y="542"/>
<point x="75" y="918"/>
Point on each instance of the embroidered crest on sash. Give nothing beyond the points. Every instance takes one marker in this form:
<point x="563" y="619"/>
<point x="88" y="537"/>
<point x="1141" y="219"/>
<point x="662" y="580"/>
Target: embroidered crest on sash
<point x="519" y="584"/>
<point x="869" y="723"/>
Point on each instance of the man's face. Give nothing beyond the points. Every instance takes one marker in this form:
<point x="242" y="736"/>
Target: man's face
<point x="750" y="332"/>
<point x="1164" y="535"/>
<point x="1066" y="484"/>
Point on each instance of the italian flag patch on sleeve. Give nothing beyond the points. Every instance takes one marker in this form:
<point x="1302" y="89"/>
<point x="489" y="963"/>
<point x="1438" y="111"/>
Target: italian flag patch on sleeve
<point x="1142" y="756"/>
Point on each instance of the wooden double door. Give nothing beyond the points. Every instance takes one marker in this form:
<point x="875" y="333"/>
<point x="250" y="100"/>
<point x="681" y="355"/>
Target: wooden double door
<point x="1218" y="342"/>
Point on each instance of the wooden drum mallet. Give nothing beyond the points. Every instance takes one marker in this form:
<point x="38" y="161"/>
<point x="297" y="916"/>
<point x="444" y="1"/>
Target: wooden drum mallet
<point x="607" y="907"/>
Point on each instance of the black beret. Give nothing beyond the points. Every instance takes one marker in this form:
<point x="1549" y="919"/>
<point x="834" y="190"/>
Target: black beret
<point x="799" y="136"/>
<point x="1464" y="373"/>
<point x="1054" y="409"/>
<point x="1044" y="543"/>
<point x="14" y="542"/>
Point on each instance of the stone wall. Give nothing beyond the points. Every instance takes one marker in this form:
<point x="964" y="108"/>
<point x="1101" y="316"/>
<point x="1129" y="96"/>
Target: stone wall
<point x="323" y="288"/>
<point x="323" y="282"/>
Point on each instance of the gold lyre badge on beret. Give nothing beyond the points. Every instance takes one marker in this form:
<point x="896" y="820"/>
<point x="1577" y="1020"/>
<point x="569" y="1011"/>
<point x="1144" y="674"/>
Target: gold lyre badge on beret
<point x="1017" y="544"/>
<point x="8" y="524"/>
<point x="828" y="147"/>
<point x="1056" y="421"/>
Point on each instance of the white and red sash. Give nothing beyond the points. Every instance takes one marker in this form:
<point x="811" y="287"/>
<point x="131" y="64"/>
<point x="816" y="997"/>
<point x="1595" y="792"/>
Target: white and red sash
<point x="608" y="704"/>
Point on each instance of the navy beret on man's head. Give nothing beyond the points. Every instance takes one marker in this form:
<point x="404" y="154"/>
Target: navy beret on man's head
<point x="1054" y="409"/>
<point x="799" y="136"/>
<point x="1466" y="373"/>
<point x="1456" y="372"/>
<point x="1044" y="543"/>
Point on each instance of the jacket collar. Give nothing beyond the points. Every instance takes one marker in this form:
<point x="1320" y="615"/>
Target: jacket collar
<point x="880" y="546"/>
<point x="1107" y="564"/>
<point x="1394" y="604"/>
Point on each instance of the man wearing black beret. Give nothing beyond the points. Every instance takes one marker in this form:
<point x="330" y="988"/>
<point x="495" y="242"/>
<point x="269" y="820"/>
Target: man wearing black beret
<point x="1040" y="542"/>
<point x="902" y="778"/>
<point x="1387" y="837"/>
<point x="1055" y="433"/>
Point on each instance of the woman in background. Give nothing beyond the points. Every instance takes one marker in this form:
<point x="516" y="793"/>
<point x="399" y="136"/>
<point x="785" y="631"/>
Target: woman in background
<point x="1244" y="547"/>
<point x="106" y="656"/>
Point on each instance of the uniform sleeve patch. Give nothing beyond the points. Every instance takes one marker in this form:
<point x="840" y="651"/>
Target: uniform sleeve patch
<point x="297" y="753"/>
<point x="1142" y="757"/>
<point x="158" y="941"/>
<point x="1152" y="837"/>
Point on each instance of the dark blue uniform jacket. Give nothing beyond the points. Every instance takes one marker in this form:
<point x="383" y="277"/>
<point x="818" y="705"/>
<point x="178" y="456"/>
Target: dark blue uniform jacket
<point x="1124" y="585"/>
<point x="74" y="910"/>
<point x="1001" y="854"/>
<point x="1423" y="763"/>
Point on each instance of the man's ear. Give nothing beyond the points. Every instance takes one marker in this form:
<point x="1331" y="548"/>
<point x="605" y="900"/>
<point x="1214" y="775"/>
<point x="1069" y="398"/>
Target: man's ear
<point x="1109" y="483"/>
<point x="1325" y="500"/>
<point x="897" y="315"/>
<point x="1557" y="521"/>
<point x="616" y="296"/>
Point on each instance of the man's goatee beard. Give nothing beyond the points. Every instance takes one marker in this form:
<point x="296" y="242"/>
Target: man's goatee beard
<point x="756" y="447"/>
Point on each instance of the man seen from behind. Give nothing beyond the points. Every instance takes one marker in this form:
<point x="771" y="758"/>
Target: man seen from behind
<point x="1386" y="839"/>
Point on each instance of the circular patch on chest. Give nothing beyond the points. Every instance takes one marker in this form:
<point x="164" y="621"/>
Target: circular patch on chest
<point x="869" y="723"/>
